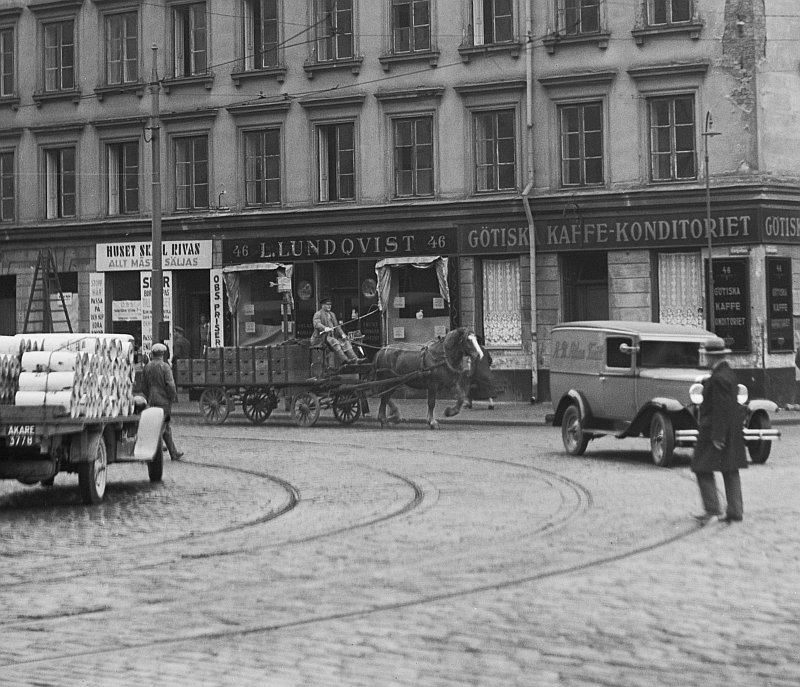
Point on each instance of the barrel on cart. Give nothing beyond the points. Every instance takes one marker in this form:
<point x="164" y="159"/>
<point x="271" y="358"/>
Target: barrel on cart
<point x="257" y="377"/>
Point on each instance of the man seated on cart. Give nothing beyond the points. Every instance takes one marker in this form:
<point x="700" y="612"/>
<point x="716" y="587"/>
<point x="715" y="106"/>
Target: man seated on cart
<point x="329" y="332"/>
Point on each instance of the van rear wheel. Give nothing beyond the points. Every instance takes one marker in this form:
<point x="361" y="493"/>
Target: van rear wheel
<point x="572" y="434"/>
<point x="662" y="440"/>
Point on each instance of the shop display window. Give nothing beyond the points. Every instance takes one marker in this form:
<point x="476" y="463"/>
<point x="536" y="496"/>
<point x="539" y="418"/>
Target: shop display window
<point x="419" y="288"/>
<point x="260" y="317"/>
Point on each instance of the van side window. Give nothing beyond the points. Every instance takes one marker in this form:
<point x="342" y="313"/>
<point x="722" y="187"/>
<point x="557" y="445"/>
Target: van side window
<point x="615" y="357"/>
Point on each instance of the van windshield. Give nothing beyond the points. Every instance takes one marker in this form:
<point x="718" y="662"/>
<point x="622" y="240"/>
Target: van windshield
<point x="669" y="354"/>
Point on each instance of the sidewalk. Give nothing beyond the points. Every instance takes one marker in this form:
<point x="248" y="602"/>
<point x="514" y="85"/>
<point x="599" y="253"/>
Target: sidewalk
<point x="415" y="411"/>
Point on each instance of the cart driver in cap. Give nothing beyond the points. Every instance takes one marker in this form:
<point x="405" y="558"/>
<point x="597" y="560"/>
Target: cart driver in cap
<point x="327" y="330"/>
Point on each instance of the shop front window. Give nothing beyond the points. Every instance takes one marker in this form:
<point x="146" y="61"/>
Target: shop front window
<point x="418" y="288"/>
<point x="502" y="315"/>
<point x="259" y="309"/>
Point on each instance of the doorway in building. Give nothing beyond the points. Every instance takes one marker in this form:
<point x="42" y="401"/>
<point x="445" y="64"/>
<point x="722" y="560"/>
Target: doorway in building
<point x="352" y="287"/>
<point x="585" y="278"/>
<point x="191" y="299"/>
<point x="8" y="305"/>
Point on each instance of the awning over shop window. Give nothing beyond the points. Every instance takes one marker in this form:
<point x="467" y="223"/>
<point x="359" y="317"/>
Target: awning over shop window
<point x="382" y="269"/>
<point x="232" y="276"/>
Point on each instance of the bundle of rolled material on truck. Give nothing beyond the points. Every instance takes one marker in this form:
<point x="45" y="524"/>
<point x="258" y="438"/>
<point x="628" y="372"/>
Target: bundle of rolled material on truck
<point x="90" y="375"/>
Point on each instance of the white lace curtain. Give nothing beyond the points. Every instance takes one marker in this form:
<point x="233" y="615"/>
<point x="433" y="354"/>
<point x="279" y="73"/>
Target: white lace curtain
<point x="681" y="289"/>
<point x="502" y="319"/>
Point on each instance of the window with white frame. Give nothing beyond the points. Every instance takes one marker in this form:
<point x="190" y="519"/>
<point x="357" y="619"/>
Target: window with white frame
<point x="665" y="12"/>
<point x="581" y="133"/>
<point x="492" y="21"/>
<point x="262" y="167"/>
<point x="123" y="177"/>
<point x="333" y="29"/>
<point x="261" y="34"/>
<point x="502" y="312"/>
<point x="190" y="39"/>
<point x="191" y="172"/>
<point x="578" y="17"/>
<point x="411" y="26"/>
<point x="60" y="182"/>
<point x="122" y="48"/>
<point x="495" y="150"/>
<point x="7" y="194"/>
<point x="6" y="61"/>
<point x="413" y="156"/>
<point x="336" y="161"/>
<point x="59" y="55"/>
<point x="673" y="154"/>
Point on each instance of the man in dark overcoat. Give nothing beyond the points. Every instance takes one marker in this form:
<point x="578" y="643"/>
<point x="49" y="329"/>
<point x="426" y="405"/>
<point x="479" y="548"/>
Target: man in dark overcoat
<point x="720" y="445"/>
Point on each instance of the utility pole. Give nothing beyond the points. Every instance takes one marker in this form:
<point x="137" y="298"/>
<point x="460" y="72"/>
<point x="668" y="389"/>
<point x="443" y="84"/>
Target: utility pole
<point x="710" y="300"/>
<point x="157" y="274"/>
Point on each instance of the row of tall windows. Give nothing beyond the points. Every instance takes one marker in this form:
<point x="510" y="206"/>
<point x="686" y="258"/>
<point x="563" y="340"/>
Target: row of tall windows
<point x="413" y="166"/>
<point x="671" y="135"/>
<point x="672" y="153"/>
<point x="333" y="33"/>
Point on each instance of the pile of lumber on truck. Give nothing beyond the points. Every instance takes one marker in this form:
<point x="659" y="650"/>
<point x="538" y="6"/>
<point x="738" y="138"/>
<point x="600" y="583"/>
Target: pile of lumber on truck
<point x="89" y="375"/>
<point x="285" y="363"/>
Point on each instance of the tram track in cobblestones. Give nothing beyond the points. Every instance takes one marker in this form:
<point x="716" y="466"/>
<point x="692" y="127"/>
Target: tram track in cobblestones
<point x="576" y="501"/>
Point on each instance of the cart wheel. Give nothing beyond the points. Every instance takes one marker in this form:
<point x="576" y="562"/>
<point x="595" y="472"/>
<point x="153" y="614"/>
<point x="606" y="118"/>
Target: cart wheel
<point x="346" y="408"/>
<point x="92" y="474"/>
<point x="305" y="409"/>
<point x="155" y="467"/>
<point x="258" y="405"/>
<point x="215" y="405"/>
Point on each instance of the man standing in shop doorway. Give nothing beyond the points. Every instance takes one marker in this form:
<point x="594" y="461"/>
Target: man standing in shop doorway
<point x="205" y="333"/>
<point x="328" y="331"/>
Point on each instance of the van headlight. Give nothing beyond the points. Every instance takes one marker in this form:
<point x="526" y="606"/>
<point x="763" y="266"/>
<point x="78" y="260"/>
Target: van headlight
<point x="741" y="394"/>
<point x="696" y="393"/>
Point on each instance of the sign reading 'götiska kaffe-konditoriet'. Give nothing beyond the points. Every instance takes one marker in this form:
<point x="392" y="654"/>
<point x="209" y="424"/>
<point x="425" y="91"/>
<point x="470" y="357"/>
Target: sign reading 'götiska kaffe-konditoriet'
<point x="583" y="232"/>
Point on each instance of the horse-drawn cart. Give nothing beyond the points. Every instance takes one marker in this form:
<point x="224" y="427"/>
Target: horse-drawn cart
<point x="257" y="377"/>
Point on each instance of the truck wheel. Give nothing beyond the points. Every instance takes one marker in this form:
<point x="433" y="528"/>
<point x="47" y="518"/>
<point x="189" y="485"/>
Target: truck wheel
<point x="572" y="434"/>
<point x="662" y="440"/>
<point x="92" y="474"/>
<point x="155" y="467"/>
<point x="759" y="450"/>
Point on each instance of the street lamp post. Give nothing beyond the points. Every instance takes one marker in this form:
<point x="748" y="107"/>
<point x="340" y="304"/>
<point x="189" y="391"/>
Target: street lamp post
<point x="710" y="300"/>
<point x="156" y="274"/>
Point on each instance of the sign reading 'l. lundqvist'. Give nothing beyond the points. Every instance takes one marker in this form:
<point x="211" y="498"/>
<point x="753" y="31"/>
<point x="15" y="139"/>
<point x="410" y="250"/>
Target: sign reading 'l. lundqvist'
<point x="338" y="247"/>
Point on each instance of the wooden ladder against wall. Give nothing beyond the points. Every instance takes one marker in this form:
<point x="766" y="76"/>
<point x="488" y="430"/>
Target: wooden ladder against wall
<point x="39" y="316"/>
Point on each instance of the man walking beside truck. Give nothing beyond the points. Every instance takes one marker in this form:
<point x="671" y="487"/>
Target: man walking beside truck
<point x="158" y="385"/>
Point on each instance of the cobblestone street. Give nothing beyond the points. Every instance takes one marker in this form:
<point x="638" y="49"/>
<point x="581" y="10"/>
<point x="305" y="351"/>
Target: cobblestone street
<point x="477" y="555"/>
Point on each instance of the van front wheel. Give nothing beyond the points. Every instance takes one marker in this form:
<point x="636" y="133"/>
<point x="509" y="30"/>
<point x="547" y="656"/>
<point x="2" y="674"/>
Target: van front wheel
<point x="572" y="434"/>
<point x="662" y="440"/>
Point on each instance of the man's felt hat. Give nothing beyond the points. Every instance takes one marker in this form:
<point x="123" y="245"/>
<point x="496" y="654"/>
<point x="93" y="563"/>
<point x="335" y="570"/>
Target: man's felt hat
<point x="325" y="299"/>
<point x="716" y="346"/>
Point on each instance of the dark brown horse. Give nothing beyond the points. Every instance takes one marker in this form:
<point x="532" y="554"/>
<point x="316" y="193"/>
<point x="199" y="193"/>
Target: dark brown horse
<point x="436" y="367"/>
